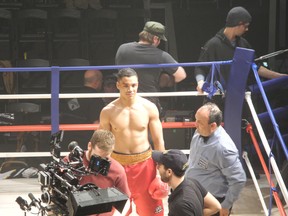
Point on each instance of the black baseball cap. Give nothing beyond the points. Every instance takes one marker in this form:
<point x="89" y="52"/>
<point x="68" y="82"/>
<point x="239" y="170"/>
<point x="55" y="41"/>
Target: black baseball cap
<point x="174" y="159"/>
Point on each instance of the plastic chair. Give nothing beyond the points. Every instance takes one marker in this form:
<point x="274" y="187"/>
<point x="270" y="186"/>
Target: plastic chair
<point x="47" y="4"/>
<point x="250" y="3"/>
<point x="23" y="108"/>
<point x="30" y="114"/>
<point x="31" y="82"/>
<point x="70" y="80"/>
<point x="70" y="62"/>
<point x="33" y="63"/>
<point x="132" y="23"/>
<point x="15" y="5"/>
<point x="123" y="3"/>
<point x="7" y="39"/>
<point x="102" y="32"/>
<point x="188" y="4"/>
<point x="31" y="32"/>
<point x="68" y="34"/>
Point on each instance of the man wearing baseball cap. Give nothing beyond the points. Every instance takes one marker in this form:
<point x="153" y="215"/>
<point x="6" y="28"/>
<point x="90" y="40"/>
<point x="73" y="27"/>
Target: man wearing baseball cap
<point x="155" y="28"/>
<point x="146" y="51"/>
<point x="188" y="197"/>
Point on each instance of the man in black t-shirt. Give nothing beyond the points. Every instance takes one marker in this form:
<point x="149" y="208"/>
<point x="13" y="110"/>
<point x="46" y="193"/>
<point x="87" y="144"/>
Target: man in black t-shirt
<point x="222" y="46"/>
<point x="146" y="51"/>
<point x="188" y="197"/>
<point x="82" y="110"/>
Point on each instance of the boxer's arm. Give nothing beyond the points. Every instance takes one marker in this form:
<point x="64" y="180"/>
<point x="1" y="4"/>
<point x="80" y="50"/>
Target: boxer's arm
<point x="104" y="120"/>
<point x="156" y="130"/>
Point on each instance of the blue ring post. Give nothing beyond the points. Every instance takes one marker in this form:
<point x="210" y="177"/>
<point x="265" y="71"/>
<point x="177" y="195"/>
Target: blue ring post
<point x="235" y="93"/>
<point x="55" y="76"/>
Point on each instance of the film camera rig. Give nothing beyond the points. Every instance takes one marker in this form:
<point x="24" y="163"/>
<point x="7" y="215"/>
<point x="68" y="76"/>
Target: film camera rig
<point x="61" y="191"/>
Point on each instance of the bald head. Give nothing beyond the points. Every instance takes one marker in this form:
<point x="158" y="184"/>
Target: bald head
<point x="212" y="112"/>
<point x="93" y="79"/>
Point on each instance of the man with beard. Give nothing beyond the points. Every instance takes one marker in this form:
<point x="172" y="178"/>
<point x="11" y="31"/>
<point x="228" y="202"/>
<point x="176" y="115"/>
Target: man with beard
<point x="188" y="196"/>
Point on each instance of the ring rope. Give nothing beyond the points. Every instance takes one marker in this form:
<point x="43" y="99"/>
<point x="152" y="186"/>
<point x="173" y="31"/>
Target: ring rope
<point x="76" y="127"/>
<point x="46" y="154"/>
<point x="109" y="67"/>
<point x="102" y="95"/>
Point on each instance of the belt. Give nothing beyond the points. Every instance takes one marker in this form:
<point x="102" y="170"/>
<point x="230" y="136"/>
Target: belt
<point x="129" y="159"/>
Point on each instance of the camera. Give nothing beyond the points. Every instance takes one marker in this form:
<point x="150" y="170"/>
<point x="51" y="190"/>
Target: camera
<point x="99" y="165"/>
<point x="61" y="191"/>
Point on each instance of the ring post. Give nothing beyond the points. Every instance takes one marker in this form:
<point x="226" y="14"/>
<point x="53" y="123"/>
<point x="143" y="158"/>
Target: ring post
<point x="235" y="93"/>
<point x="55" y="76"/>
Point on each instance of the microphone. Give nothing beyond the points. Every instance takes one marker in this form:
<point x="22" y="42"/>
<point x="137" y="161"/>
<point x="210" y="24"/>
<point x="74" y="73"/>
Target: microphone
<point x="35" y="202"/>
<point x="22" y="203"/>
<point x="76" y="153"/>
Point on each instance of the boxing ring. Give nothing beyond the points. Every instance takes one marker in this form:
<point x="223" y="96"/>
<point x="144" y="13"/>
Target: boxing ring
<point x="234" y="99"/>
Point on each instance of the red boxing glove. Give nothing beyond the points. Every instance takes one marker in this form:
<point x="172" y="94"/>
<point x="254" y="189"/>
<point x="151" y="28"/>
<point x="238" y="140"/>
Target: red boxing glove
<point x="158" y="189"/>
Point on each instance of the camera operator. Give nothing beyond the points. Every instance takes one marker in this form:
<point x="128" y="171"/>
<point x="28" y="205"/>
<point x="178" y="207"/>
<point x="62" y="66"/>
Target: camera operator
<point x="102" y="144"/>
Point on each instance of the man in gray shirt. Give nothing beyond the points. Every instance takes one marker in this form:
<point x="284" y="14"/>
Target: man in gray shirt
<point x="214" y="159"/>
<point x="146" y="51"/>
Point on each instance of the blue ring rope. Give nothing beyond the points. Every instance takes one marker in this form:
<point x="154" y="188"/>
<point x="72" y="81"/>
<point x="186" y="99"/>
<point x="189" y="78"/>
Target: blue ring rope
<point x="274" y="123"/>
<point x="109" y="67"/>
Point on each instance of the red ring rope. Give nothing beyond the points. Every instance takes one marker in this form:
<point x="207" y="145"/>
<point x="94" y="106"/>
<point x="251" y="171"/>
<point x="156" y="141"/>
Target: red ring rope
<point x="74" y="127"/>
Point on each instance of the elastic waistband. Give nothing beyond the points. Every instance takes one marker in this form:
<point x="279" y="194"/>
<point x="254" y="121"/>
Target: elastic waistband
<point x="129" y="159"/>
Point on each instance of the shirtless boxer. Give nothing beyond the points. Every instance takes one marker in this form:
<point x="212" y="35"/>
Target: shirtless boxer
<point x="130" y="118"/>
